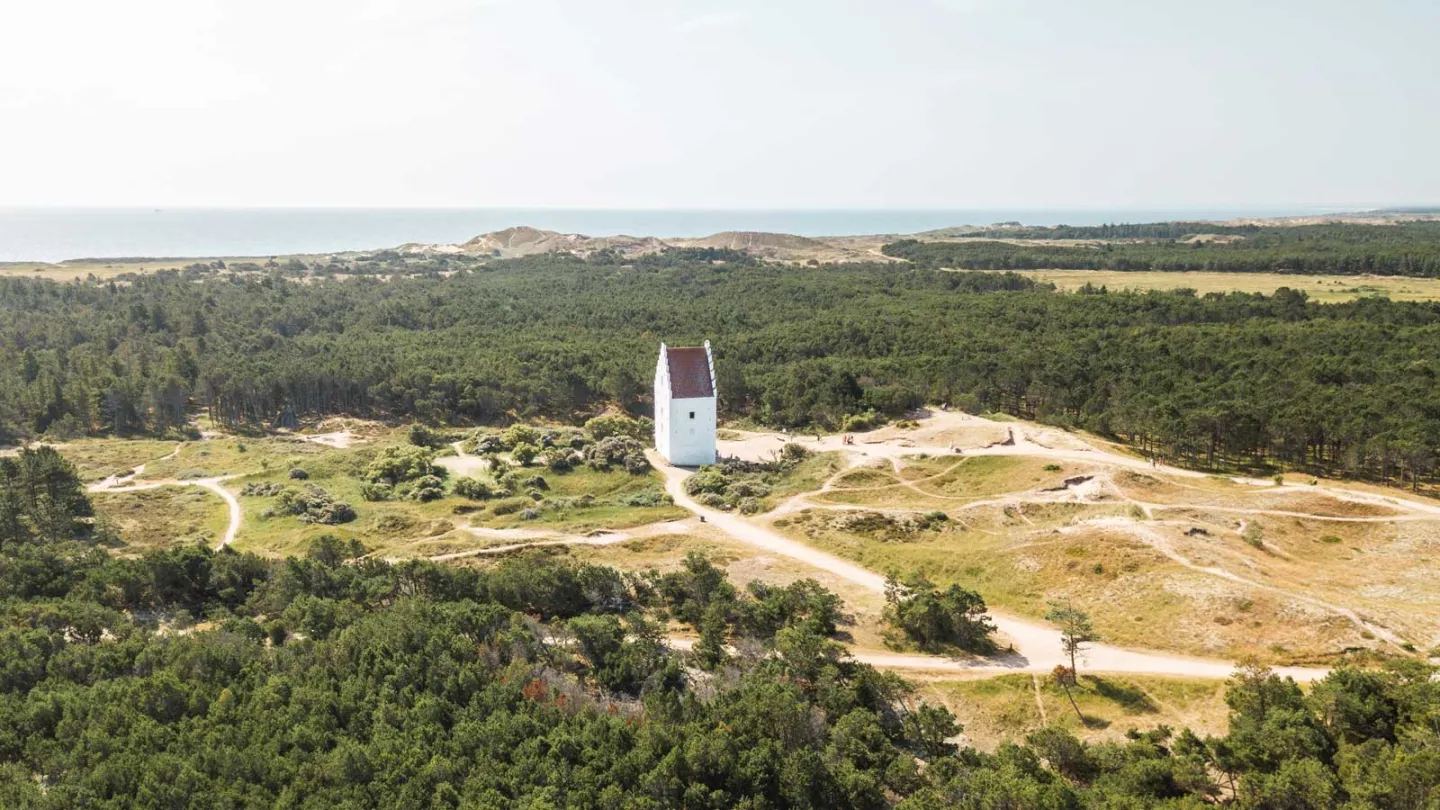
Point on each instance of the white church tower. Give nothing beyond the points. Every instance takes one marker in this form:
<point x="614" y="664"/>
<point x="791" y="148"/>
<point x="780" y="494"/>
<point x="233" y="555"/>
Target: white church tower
<point x="685" y="405"/>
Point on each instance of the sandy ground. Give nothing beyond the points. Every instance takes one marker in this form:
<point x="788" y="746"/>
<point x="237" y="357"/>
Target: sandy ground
<point x="1037" y="647"/>
<point x="1014" y="439"/>
<point x="534" y="538"/>
<point x="462" y="463"/>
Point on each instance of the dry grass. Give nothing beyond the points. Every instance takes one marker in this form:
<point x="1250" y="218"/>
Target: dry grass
<point x="1319" y="288"/>
<point x="106" y="269"/>
<point x="164" y="518"/>
<point x="97" y="459"/>
<point x="1154" y="577"/>
<point x="1005" y="708"/>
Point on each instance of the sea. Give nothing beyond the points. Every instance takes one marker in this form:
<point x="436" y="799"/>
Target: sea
<point x="57" y="234"/>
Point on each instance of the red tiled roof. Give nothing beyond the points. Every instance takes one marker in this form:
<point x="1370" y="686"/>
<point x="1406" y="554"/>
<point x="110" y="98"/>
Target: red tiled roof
<point x="690" y="373"/>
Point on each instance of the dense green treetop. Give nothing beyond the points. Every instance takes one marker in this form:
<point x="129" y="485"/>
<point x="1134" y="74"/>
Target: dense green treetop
<point x="1404" y="249"/>
<point x="1212" y="379"/>
<point x="335" y="680"/>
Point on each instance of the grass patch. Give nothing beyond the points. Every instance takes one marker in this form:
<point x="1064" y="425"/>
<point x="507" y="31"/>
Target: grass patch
<point x="1319" y="288"/>
<point x="98" y="459"/>
<point x="865" y="479"/>
<point x="164" y="517"/>
<point x="989" y="476"/>
<point x="1003" y="708"/>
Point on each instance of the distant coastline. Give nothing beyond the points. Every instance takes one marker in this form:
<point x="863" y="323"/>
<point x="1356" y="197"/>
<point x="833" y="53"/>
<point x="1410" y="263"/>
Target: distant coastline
<point x="57" y="234"/>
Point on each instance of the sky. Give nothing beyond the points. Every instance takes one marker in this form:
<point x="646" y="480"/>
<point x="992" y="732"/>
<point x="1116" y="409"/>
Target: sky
<point x="681" y="103"/>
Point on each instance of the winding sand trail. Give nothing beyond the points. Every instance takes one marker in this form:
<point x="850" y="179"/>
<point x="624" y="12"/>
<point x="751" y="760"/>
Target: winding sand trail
<point x="1162" y="544"/>
<point x="532" y="538"/>
<point x="1037" y="646"/>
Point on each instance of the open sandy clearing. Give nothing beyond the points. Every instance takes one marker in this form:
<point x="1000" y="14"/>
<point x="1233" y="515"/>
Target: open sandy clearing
<point x="1037" y="647"/>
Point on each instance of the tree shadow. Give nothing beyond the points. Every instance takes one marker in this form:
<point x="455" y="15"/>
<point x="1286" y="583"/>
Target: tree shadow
<point x="1130" y="697"/>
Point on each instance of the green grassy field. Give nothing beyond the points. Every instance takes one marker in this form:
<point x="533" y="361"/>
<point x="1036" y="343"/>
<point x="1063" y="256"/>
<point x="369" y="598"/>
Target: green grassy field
<point x="173" y="515"/>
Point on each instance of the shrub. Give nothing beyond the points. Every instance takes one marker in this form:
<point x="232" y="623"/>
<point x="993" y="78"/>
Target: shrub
<point x="487" y="444"/>
<point x="1052" y="468"/>
<point x="429" y="488"/>
<point x="313" y="505"/>
<point x="713" y="500"/>
<point x="615" y="450"/>
<point x="637" y="464"/>
<point x="473" y="489"/>
<point x="604" y="427"/>
<point x="750" y="506"/>
<point x="297" y="474"/>
<point x="794" y="452"/>
<point x="536" y="482"/>
<point x="519" y="434"/>
<point x="560" y="460"/>
<point x="708" y="479"/>
<point x="1254" y="535"/>
<point x="395" y="465"/>
<point x="746" y="489"/>
<point x="510" y="506"/>
<point x="524" y="453"/>
<point x="933" y="617"/>
<point x="861" y="422"/>
<point x="646" y="497"/>
<point x="423" y="436"/>
<point x="263" y="489"/>
<point x="377" y="492"/>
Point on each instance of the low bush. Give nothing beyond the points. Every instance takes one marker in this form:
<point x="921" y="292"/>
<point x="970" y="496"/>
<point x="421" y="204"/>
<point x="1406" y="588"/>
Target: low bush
<point x="510" y="506"/>
<point x="312" y="505"/>
<point x="473" y="489"/>
<point x="262" y="489"/>
<point x="377" y="492"/>
<point x="646" y="497"/>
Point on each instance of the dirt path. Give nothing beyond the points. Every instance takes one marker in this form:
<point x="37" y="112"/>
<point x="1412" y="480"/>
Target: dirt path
<point x="462" y="463"/>
<point x="1039" y="702"/>
<point x="1037" y="647"/>
<point x="531" y="538"/>
<point x="1090" y="489"/>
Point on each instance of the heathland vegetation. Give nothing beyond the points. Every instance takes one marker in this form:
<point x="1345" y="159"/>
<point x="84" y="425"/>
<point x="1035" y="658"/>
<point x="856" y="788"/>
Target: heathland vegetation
<point x="1402" y="249"/>
<point x="194" y="678"/>
<point x="1214" y="380"/>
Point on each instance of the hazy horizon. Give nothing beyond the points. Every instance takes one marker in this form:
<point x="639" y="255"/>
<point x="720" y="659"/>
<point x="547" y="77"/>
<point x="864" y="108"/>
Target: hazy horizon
<point x="57" y="233"/>
<point x="862" y="105"/>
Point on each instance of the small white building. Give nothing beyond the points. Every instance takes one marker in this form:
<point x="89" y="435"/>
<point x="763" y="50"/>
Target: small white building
<point x="685" y="405"/>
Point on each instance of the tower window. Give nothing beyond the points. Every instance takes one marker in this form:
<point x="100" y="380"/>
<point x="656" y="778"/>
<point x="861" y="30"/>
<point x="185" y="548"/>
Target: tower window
<point x="692" y="414"/>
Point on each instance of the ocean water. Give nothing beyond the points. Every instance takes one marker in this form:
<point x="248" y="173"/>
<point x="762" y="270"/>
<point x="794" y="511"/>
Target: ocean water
<point x="56" y="234"/>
